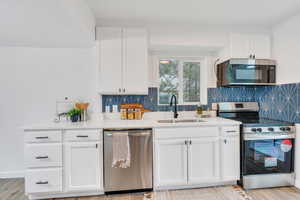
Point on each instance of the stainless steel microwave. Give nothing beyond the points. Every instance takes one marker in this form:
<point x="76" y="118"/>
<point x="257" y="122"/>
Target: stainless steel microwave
<point x="246" y="72"/>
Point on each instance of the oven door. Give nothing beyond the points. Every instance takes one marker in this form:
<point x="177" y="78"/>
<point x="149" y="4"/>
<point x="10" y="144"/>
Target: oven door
<point x="248" y="74"/>
<point x="268" y="156"/>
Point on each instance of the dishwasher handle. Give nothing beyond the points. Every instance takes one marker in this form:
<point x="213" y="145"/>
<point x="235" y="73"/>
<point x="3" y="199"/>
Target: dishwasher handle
<point x="133" y="134"/>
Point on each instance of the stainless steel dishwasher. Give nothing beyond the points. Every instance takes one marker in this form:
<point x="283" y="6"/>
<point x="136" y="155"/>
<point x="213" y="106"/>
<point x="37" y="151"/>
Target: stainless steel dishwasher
<point x="139" y="175"/>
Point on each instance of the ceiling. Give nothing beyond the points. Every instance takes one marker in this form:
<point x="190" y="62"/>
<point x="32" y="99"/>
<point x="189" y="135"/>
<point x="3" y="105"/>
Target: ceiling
<point x="193" y="12"/>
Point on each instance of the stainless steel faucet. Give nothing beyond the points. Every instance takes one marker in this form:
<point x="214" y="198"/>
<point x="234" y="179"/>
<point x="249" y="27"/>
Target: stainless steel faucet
<point x="59" y="115"/>
<point x="173" y="98"/>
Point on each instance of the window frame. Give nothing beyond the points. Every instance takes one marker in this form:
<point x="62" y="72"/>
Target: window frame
<point x="180" y="78"/>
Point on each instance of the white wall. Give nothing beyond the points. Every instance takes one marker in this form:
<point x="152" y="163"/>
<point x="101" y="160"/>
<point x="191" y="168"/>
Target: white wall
<point x="50" y="23"/>
<point x="285" y="50"/>
<point x="31" y="80"/>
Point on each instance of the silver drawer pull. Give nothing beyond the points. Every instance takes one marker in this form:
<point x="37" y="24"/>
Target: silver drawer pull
<point x="41" y="157"/>
<point x="231" y="131"/>
<point x="82" y="136"/>
<point x="45" y="137"/>
<point x="42" y="183"/>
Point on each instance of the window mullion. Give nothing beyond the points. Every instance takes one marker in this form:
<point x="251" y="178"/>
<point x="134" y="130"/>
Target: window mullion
<point x="180" y="78"/>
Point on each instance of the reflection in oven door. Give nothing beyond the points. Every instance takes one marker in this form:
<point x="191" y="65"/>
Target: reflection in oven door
<point x="268" y="156"/>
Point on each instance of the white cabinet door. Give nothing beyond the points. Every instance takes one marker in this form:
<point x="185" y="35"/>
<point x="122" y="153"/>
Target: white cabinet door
<point x="261" y="46"/>
<point x="230" y="158"/>
<point x="239" y="46"/>
<point x="244" y="45"/>
<point x="82" y="169"/>
<point x="110" y="60"/>
<point x="171" y="162"/>
<point x="203" y="160"/>
<point x="135" y="67"/>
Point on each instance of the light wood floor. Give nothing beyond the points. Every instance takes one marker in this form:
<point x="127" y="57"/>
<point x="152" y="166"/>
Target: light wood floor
<point x="13" y="189"/>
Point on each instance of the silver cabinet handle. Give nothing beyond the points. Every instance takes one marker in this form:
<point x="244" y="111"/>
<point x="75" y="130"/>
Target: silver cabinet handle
<point x="41" y="157"/>
<point x="82" y="136"/>
<point x="231" y="131"/>
<point x="225" y="141"/>
<point x="119" y="89"/>
<point x="42" y="183"/>
<point x="123" y="89"/>
<point x="44" y="137"/>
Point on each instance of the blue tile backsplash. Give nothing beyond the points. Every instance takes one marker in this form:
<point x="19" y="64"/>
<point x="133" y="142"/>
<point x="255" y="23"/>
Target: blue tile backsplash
<point x="241" y="94"/>
<point x="149" y="101"/>
<point x="279" y="102"/>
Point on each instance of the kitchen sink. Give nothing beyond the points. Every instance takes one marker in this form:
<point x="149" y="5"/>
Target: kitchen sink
<point x="180" y="120"/>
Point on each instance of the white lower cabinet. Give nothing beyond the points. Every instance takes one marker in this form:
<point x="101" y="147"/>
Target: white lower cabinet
<point x="203" y="160"/>
<point x="171" y="162"/>
<point x="43" y="155"/>
<point x="230" y="156"/>
<point x="43" y="180"/>
<point x="82" y="166"/>
<point x="63" y="163"/>
<point x="184" y="158"/>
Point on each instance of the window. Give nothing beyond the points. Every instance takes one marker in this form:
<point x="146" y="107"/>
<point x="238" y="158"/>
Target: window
<point x="180" y="77"/>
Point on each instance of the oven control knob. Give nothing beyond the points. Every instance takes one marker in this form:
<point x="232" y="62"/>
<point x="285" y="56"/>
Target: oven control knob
<point x="282" y="128"/>
<point x="288" y="129"/>
<point x="259" y="130"/>
<point x="253" y="129"/>
<point x="271" y="129"/>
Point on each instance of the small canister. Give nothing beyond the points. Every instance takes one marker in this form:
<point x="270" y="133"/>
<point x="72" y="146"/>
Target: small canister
<point x="200" y="109"/>
<point x="138" y="114"/>
<point x="123" y="114"/>
<point x="130" y="114"/>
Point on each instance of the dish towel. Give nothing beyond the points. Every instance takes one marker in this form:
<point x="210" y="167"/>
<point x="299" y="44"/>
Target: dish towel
<point x="121" y="150"/>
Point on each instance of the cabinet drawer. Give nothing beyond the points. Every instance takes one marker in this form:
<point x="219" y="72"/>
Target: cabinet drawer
<point x="184" y="132"/>
<point x="230" y="131"/>
<point x="43" y="180"/>
<point x="43" y="155"/>
<point x="82" y="135"/>
<point x="43" y="136"/>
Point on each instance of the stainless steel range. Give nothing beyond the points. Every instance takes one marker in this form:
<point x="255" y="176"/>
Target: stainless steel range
<point x="267" y="146"/>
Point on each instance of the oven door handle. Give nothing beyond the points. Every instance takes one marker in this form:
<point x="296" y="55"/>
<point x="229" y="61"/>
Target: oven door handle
<point x="268" y="137"/>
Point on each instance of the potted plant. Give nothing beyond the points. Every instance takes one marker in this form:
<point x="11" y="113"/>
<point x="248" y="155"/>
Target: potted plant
<point x="74" y="114"/>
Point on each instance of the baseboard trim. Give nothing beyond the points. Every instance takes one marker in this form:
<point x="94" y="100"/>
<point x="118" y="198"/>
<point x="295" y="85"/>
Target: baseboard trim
<point x="12" y="174"/>
<point x="64" y="195"/>
<point x="297" y="184"/>
<point x="178" y="187"/>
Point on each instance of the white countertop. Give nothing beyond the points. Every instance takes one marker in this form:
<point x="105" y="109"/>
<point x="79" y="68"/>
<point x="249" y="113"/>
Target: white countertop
<point x="127" y="124"/>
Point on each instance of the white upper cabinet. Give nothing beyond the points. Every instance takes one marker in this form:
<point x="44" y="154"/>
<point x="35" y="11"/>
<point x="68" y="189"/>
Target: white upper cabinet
<point x="239" y="46"/>
<point x="247" y="45"/>
<point x="123" y="60"/>
<point x="135" y="70"/>
<point x="261" y="46"/>
<point x="110" y="60"/>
